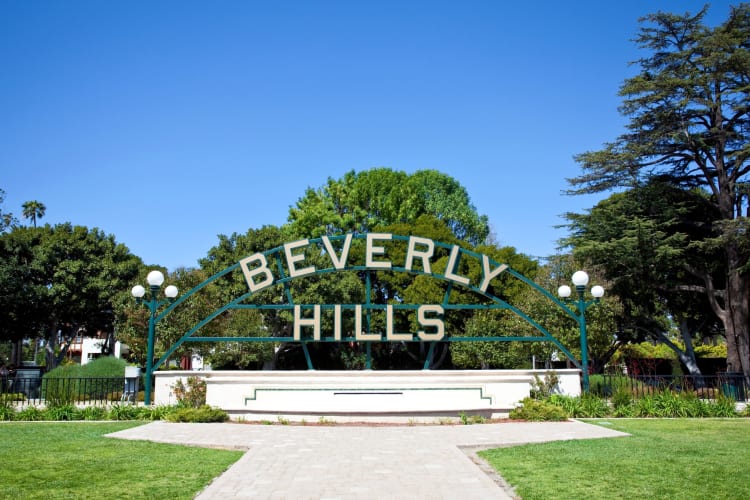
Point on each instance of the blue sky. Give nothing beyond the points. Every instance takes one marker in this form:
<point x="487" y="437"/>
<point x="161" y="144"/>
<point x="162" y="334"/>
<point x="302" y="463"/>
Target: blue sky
<point x="166" y="123"/>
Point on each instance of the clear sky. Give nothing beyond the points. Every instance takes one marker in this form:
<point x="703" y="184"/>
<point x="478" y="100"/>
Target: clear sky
<point x="166" y="123"/>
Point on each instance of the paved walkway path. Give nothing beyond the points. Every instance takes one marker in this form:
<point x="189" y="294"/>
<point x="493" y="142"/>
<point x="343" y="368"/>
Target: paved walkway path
<point x="346" y="462"/>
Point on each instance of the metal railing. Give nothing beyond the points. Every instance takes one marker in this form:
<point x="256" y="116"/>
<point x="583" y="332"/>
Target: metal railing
<point x="731" y="385"/>
<point x="86" y="391"/>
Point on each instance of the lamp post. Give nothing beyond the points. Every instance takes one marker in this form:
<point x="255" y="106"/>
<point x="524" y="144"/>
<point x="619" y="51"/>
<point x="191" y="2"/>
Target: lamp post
<point x="155" y="280"/>
<point x="580" y="280"/>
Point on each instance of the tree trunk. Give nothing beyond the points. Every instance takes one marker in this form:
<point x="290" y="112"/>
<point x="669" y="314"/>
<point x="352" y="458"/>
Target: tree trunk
<point x="736" y="319"/>
<point x="688" y="361"/>
<point x="16" y="353"/>
<point x="50" y="345"/>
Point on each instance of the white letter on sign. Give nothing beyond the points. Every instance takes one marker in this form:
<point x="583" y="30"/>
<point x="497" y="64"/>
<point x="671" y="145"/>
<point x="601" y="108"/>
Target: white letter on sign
<point x="437" y="323"/>
<point x="425" y="255"/>
<point x="488" y="275"/>
<point x="338" y="262"/>
<point x="291" y="259"/>
<point x="250" y="274"/>
<point x="299" y="322"/>
<point x="373" y="250"/>
<point x="358" y="333"/>
<point x="450" y="271"/>
<point x="390" y="335"/>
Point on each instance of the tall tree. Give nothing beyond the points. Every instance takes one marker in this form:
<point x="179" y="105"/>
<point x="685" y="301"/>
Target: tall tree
<point x="59" y="280"/>
<point x="381" y="196"/>
<point x="643" y="240"/>
<point x="33" y="210"/>
<point x="689" y="120"/>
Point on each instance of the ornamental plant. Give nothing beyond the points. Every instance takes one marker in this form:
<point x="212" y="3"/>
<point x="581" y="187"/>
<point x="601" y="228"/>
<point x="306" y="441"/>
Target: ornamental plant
<point x="191" y="394"/>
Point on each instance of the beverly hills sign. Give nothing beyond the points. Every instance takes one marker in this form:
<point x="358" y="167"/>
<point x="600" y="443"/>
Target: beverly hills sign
<point x="419" y="252"/>
<point x="269" y="276"/>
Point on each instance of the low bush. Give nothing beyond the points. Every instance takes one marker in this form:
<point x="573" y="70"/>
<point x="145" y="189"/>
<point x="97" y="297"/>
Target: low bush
<point x="724" y="407"/>
<point x="63" y="412"/>
<point x="663" y="404"/>
<point x="10" y="397"/>
<point x="191" y="394"/>
<point x="31" y="414"/>
<point x="470" y="419"/>
<point x="94" y="413"/>
<point x="123" y="412"/>
<point x="543" y="389"/>
<point x="203" y="414"/>
<point x="7" y="412"/>
<point x="95" y="380"/>
<point x="60" y="391"/>
<point x="537" y="410"/>
<point x="105" y="366"/>
<point x="586" y="406"/>
<point x="668" y="404"/>
<point x="155" y="412"/>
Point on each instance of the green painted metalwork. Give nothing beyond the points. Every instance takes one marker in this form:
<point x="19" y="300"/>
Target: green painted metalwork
<point x="430" y="356"/>
<point x="581" y="305"/>
<point x="284" y="280"/>
<point x="308" y="360"/>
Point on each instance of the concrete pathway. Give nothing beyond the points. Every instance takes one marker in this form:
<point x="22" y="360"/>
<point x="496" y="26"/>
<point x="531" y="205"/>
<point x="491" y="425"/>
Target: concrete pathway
<point x="352" y="462"/>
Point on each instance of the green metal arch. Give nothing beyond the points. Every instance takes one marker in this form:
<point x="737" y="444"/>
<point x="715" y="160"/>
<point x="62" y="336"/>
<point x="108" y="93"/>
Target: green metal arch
<point x="285" y="280"/>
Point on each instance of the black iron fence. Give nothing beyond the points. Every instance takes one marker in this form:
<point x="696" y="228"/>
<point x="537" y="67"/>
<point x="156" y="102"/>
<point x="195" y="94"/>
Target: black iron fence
<point x="731" y="385"/>
<point x="36" y="391"/>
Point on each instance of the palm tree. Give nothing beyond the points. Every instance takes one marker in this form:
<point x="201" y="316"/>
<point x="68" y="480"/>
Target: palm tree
<point x="33" y="210"/>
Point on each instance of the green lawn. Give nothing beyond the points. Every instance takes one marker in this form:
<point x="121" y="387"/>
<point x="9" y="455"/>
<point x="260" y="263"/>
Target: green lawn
<point x="663" y="458"/>
<point x="74" y="460"/>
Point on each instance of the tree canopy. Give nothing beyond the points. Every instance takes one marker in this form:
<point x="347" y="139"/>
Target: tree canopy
<point x="644" y="240"/>
<point x="58" y="280"/>
<point x="689" y="125"/>
<point x="361" y="201"/>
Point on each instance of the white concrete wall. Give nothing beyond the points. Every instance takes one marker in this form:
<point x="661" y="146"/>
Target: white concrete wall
<point x="436" y="392"/>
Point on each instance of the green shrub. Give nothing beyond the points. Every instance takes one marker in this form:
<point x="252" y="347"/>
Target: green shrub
<point x="60" y="391"/>
<point x="123" y="412"/>
<point x="156" y="412"/>
<point x="31" y="414"/>
<point x="192" y="395"/>
<point x="95" y="380"/>
<point x="202" y="414"/>
<point x="724" y="407"/>
<point x="105" y="366"/>
<point x="542" y="389"/>
<point x="471" y="419"/>
<point x="624" y="411"/>
<point x="621" y="397"/>
<point x="9" y="397"/>
<point x="668" y="404"/>
<point x="585" y="406"/>
<point x="593" y="406"/>
<point x="571" y="405"/>
<point x="7" y="412"/>
<point x="536" y="410"/>
<point x="94" y="413"/>
<point x="64" y="371"/>
<point x="62" y="412"/>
